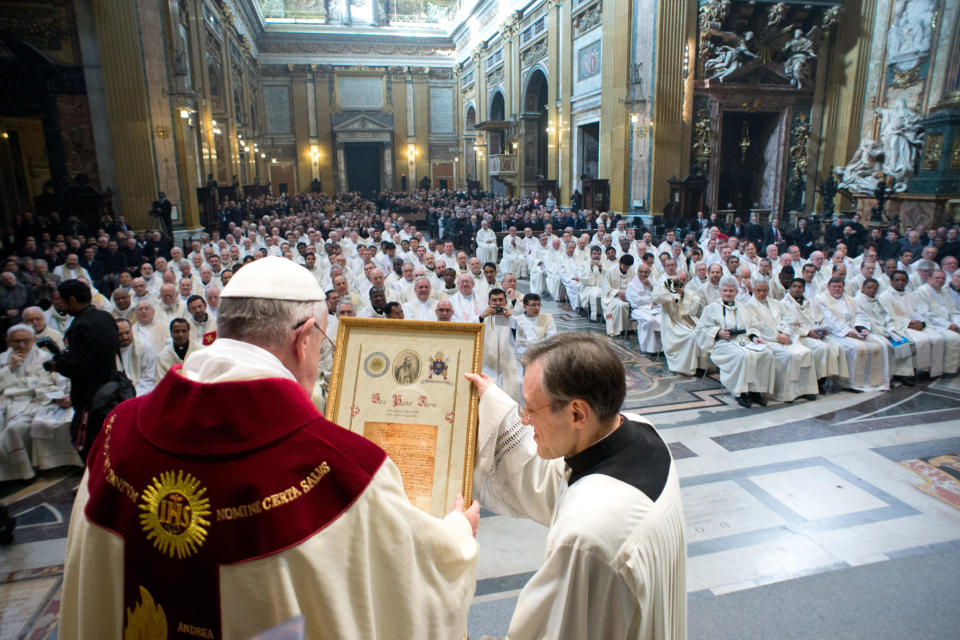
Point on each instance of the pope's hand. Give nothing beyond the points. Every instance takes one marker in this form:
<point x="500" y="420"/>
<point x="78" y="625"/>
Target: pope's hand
<point x="472" y="514"/>
<point x="480" y="381"/>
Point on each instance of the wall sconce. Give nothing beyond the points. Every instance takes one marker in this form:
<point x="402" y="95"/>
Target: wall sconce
<point x="273" y="161"/>
<point x="4" y="135"/>
<point x="216" y="131"/>
<point x="263" y="155"/>
<point x="185" y="113"/>
<point x="515" y="146"/>
<point x="315" y="154"/>
<point x="411" y="152"/>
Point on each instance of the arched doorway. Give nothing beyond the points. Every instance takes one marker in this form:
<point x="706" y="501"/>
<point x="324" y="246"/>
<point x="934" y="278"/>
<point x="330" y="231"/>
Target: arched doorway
<point x="469" y="135"/>
<point x="535" y="129"/>
<point x="496" y="140"/>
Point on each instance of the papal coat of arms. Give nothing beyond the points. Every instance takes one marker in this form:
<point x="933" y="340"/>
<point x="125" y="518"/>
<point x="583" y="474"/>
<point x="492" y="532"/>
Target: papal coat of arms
<point x="438" y="366"/>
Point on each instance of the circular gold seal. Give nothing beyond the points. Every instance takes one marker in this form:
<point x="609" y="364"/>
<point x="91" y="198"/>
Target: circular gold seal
<point x="174" y="514"/>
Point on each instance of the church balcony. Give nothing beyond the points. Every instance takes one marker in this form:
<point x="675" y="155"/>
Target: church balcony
<point x="503" y="165"/>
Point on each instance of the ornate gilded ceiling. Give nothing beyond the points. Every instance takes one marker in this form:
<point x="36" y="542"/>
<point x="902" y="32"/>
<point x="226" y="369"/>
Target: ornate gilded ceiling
<point x="435" y="14"/>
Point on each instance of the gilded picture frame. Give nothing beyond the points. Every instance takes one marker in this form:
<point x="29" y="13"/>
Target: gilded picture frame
<point x="400" y="384"/>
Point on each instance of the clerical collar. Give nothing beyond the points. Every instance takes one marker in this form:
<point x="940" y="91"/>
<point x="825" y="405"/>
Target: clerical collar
<point x="729" y="304"/>
<point x="798" y="300"/>
<point x="181" y="351"/>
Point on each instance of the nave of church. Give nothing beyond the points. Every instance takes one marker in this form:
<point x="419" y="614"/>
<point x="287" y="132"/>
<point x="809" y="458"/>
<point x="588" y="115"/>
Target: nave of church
<point x="834" y="518"/>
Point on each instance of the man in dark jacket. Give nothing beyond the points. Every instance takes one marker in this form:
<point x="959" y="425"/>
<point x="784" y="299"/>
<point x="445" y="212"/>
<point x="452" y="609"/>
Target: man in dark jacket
<point x="88" y="361"/>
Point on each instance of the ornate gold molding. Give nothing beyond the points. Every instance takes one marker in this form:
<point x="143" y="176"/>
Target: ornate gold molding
<point x="955" y="156"/>
<point x="932" y="151"/>
<point x="906" y="78"/>
<point x="534" y="53"/>
<point x="587" y="20"/>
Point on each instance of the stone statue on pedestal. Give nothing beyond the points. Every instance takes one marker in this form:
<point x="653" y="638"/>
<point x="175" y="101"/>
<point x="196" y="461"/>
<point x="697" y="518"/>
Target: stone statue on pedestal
<point x="902" y="137"/>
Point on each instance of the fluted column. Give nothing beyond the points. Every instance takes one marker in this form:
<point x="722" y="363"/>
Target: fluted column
<point x="614" y="132"/>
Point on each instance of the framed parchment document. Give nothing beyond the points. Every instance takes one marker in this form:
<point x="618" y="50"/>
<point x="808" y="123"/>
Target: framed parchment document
<point x="400" y="384"/>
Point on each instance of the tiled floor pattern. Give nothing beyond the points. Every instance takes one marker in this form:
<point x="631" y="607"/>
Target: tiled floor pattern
<point x="770" y="494"/>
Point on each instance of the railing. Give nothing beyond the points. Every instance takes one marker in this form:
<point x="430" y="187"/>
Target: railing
<point x="503" y="164"/>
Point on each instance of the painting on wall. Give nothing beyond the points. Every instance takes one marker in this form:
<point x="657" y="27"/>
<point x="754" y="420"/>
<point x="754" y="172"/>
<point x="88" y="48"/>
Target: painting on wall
<point x="588" y="61"/>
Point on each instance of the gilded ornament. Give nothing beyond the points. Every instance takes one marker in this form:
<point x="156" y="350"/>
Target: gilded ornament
<point x="752" y="105"/>
<point x="175" y="514"/>
<point x="701" y="143"/>
<point x="906" y="78"/>
<point x="800" y="133"/>
<point x="146" y="621"/>
<point x="955" y="155"/>
<point x="534" y="53"/>
<point x="932" y="151"/>
<point x="588" y="19"/>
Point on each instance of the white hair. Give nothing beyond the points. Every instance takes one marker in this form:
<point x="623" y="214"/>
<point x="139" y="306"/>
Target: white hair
<point x="728" y="281"/>
<point x="21" y="326"/>
<point x="264" y="323"/>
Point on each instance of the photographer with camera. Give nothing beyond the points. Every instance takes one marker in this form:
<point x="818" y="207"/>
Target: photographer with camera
<point x="499" y="343"/>
<point x="162" y="210"/>
<point x="90" y="362"/>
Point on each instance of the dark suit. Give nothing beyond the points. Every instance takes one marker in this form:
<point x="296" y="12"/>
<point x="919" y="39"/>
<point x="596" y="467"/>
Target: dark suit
<point x="770" y="236"/>
<point x="89" y="359"/>
<point x="803" y="239"/>
<point x="755" y="235"/>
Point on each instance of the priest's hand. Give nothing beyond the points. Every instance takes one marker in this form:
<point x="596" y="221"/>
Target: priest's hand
<point x="854" y="334"/>
<point x="783" y="338"/>
<point x="472" y="514"/>
<point x="723" y="333"/>
<point x="481" y="381"/>
<point x="916" y="325"/>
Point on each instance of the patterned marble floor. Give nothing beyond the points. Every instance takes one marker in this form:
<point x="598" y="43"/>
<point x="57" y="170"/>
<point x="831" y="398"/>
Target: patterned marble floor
<point x="770" y="494"/>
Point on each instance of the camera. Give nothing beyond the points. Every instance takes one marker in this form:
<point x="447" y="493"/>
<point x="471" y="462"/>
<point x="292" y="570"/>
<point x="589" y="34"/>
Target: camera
<point x="498" y="310"/>
<point x="49" y="345"/>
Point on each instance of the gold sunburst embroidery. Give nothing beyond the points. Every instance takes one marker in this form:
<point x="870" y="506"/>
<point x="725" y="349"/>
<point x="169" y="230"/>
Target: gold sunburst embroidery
<point x="175" y="514"/>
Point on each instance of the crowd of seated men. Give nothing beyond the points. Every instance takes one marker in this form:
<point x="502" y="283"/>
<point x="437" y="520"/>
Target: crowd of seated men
<point x="781" y="313"/>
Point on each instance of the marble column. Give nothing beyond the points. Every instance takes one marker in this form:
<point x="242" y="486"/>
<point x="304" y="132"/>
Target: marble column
<point x="341" y="169"/>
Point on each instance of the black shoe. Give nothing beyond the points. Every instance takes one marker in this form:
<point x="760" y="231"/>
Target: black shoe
<point x="910" y="381"/>
<point x="758" y="398"/>
<point x="821" y="387"/>
<point x="744" y="400"/>
<point x="809" y="396"/>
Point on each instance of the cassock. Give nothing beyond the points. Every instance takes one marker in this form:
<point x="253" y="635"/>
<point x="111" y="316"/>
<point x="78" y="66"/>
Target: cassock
<point x="745" y="367"/>
<point x="796" y="373"/>
<point x="797" y="320"/>
<point x="168" y="357"/>
<point x="899" y="349"/>
<point x="646" y="312"/>
<point x="616" y="311"/>
<point x="902" y="308"/>
<point x="867" y="360"/>
<point x="500" y="354"/>
<point x="511" y="255"/>
<point x="154" y="334"/>
<point x="537" y="266"/>
<point x="677" y="336"/>
<point x="615" y="563"/>
<point x="936" y="308"/>
<point x="568" y="272"/>
<point x="289" y="515"/>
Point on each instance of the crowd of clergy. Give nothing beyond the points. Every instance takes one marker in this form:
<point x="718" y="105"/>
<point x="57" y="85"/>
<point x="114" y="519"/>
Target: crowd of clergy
<point x="782" y="314"/>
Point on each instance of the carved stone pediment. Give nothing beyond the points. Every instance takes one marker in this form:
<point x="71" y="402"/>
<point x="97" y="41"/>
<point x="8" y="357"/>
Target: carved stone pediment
<point x="758" y="73"/>
<point x="361" y="122"/>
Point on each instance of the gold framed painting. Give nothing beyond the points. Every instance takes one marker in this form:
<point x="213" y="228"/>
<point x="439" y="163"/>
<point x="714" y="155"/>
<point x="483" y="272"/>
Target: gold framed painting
<point x="400" y="384"/>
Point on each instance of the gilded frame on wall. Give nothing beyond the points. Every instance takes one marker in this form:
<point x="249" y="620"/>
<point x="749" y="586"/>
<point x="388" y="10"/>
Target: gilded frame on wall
<point x="400" y="384"/>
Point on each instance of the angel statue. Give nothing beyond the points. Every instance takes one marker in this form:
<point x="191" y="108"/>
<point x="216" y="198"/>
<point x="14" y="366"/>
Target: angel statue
<point x="728" y="59"/>
<point x="799" y="53"/>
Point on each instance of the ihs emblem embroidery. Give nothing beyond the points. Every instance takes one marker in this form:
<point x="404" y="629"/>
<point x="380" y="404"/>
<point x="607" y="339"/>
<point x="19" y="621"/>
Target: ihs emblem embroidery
<point x="175" y="514"/>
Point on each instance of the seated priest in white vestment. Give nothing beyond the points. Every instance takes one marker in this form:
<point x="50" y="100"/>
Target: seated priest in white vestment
<point x="905" y="318"/>
<point x="139" y="360"/>
<point x="796" y="374"/>
<point x="533" y="325"/>
<point x="203" y="328"/>
<point x="867" y="359"/>
<point x="936" y="306"/>
<point x="500" y="345"/>
<point x="423" y="306"/>
<point x="568" y="272"/>
<point x="725" y="330"/>
<point x="644" y="310"/>
<point x="514" y="297"/>
<point x="35" y="317"/>
<point x="35" y="410"/>
<point x="148" y="330"/>
<point x="606" y="485"/>
<point x="178" y="349"/>
<point x="802" y="320"/>
<point x="591" y="280"/>
<point x="882" y="324"/>
<point x="616" y="308"/>
<point x="467" y="305"/>
<point x="512" y="252"/>
<point x="537" y="262"/>
<point x="680" y="309"/>
<point x="228" y="477"/>
<point x="552" y="262"/>
<point x="486" y="243"/>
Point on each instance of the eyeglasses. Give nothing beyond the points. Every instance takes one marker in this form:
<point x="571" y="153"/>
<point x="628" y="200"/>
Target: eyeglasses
<point x="527" y="413"/>
<point x="328" y="344"/>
